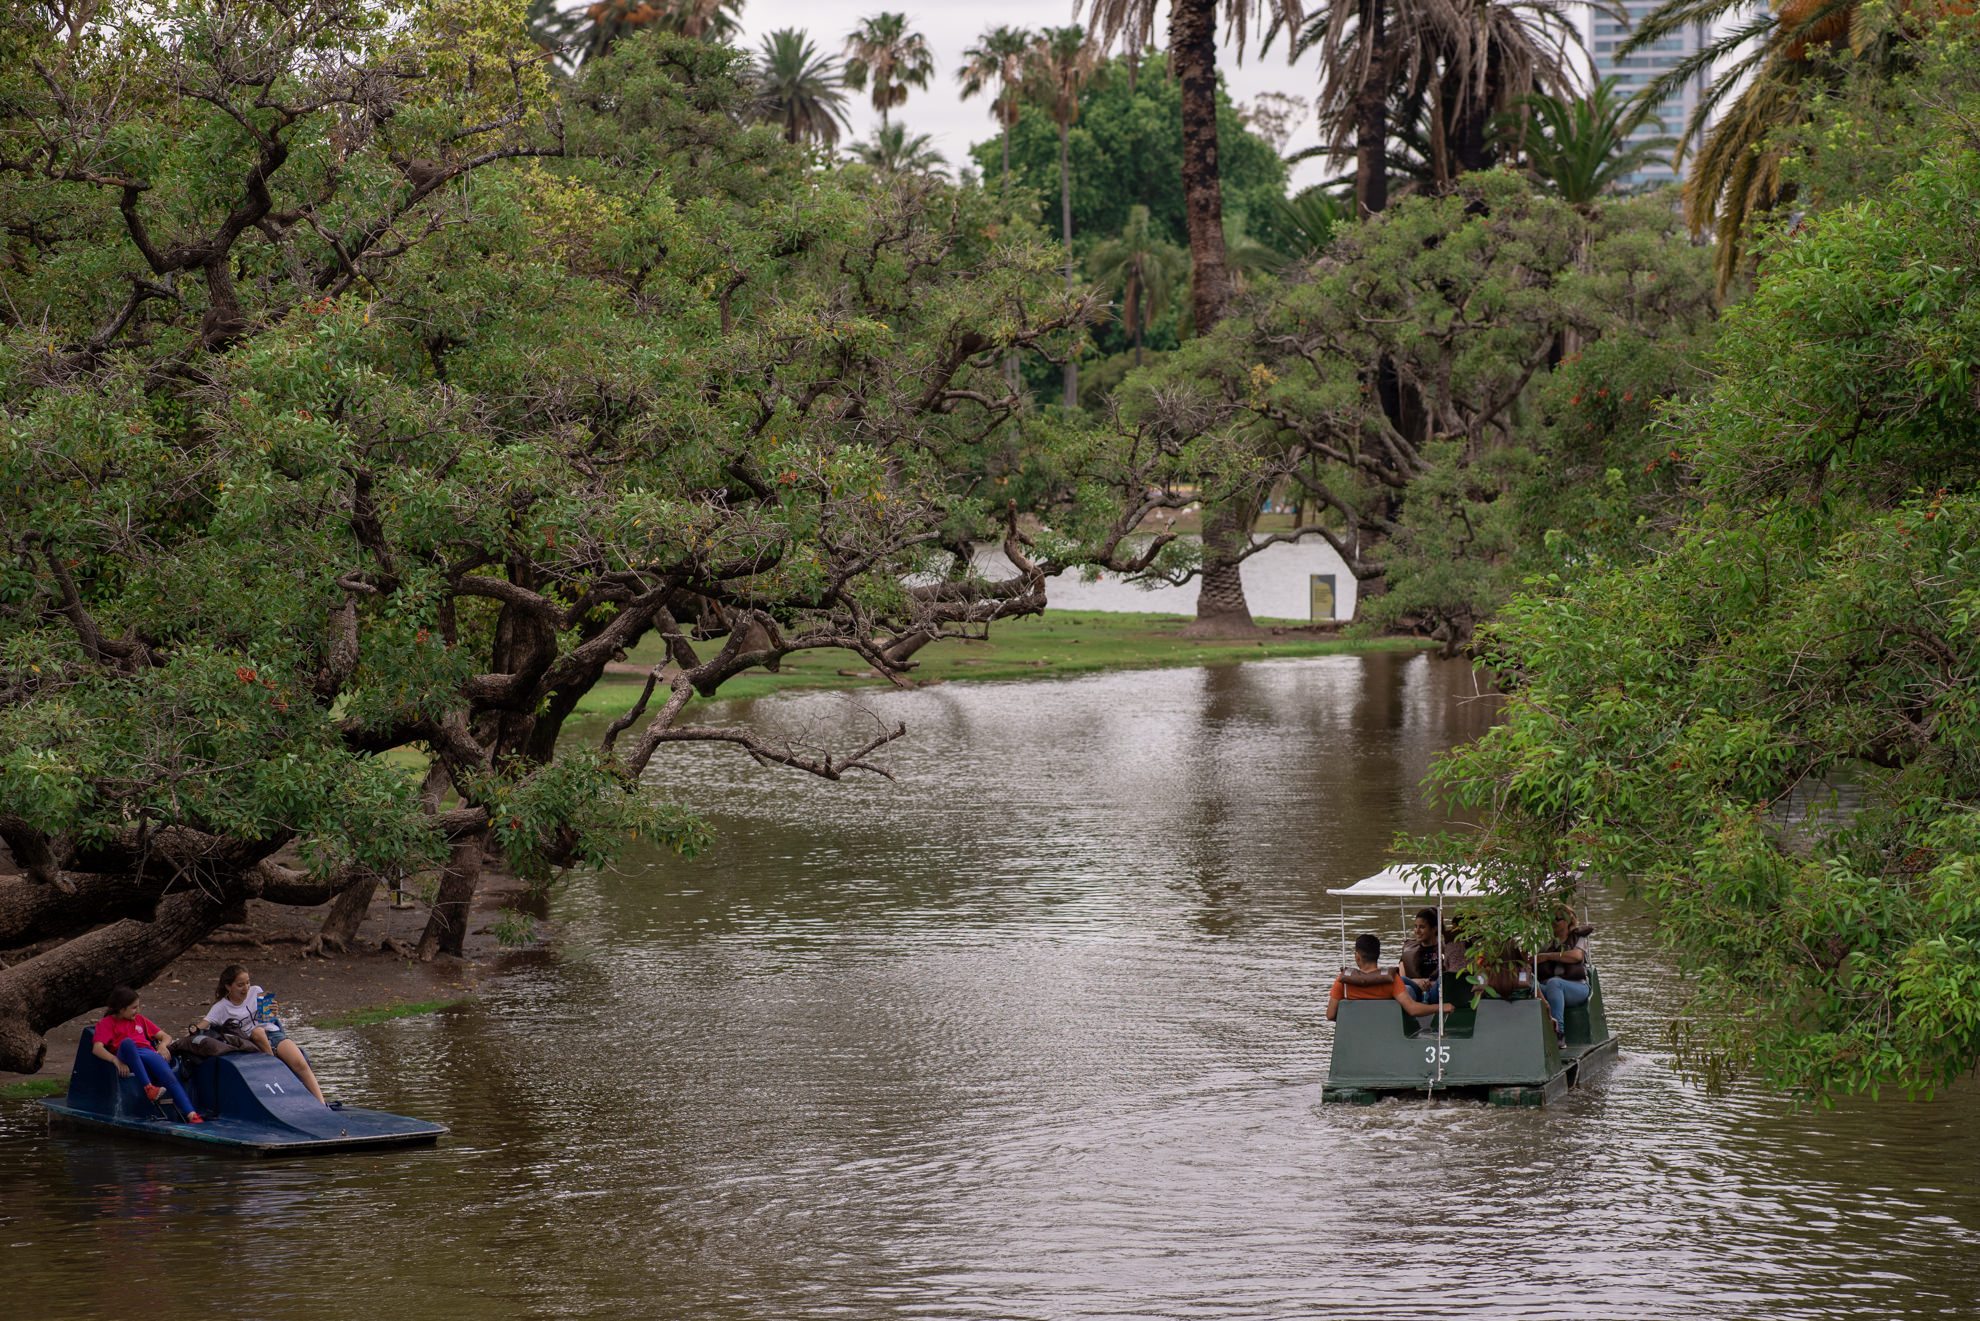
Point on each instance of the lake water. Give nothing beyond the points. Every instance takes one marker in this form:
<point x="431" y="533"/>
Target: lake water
<point x="1035" y="1031"/>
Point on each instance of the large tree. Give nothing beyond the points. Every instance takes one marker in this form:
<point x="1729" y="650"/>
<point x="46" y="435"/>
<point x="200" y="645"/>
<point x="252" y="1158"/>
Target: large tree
<point x="997" y="61"/>
<point x="1126" y="146"/>
<point x="883" y="52"/>
<point x="1463" y="300"/>
<point x="1452" y="64"/>
<point x="1192" y="53"/>
<point x="1771" y="732"/>
<point x="1765" y="68"/>
<point x="800" y="90"/>
<point x="1057" y="68"/>
<point x="364" y="398"/>
<point x="1142" y="269"/>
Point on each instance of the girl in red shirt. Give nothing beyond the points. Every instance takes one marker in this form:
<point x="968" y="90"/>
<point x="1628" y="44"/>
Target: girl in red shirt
<point x="125" y="1038"/>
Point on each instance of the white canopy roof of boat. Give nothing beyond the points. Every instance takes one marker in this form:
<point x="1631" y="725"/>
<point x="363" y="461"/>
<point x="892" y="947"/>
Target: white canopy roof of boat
<point x="1416" y="880"/>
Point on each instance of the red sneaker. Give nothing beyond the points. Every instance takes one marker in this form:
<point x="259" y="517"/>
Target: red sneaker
<point x="152" y="1093"/>
<point x="194" y="1118"/>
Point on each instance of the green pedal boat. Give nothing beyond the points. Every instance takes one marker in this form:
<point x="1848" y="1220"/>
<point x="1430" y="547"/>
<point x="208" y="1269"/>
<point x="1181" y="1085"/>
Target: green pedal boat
<point x="1503" y="1051"/>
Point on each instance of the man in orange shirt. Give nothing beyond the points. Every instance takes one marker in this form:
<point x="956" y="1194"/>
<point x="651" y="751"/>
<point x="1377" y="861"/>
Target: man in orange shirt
<point x="1368" y="958"/>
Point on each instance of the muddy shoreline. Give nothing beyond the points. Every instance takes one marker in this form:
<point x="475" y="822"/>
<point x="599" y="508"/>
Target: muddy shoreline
<point x="271" y="944"/>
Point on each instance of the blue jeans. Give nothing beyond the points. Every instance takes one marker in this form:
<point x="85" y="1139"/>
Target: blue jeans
<point x="147" y="1066"/>
<point x="1559" y="993"/>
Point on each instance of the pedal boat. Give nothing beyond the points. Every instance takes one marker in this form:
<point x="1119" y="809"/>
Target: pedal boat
<point x="252" y="1105"/>
<point x="1502" y="1051"/>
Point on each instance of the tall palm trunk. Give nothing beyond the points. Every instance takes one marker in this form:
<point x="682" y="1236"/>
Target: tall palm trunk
<point x="1133" y="310"/>
<point x="1193" y="56"/>
<point x="1065" y="225"/>
<point x="1371" y="114"/>
<point x="1220" y="603"/>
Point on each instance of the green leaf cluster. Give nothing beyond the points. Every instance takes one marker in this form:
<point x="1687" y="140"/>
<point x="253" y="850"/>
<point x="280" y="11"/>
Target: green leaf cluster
<point x="365" y="388"/>
<point x="1772" y="729"/>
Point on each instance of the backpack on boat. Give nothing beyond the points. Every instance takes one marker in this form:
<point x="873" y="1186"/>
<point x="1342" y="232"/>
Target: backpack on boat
<point x="208" y="1042"/>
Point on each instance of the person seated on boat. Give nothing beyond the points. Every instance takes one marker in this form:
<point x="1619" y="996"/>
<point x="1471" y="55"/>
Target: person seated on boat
<point x="1503" y="970"/>
<point x="140" y="1049"/>
<point x="240" y="1012"/>
<point x="1373" y="983"/>
<point x="1563" y="968"/>
<point x="1425" y="956"/>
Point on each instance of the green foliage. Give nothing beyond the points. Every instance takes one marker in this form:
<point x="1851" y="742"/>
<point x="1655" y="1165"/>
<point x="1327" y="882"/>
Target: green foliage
<point x="800" y="90"/>
<point x="1811" y="625"/>
<point x="1127" y="151"/>
<point x="1580" y="147"/>
<point x="893" y="150"/>
<point x="1300" y="227"/>
<point x="1141" y="270"/>
<point x="514" y="929"/>
<point x="1879" y="118"/>
<point x="469" y="387"/>
<point x="1402" y="382"/>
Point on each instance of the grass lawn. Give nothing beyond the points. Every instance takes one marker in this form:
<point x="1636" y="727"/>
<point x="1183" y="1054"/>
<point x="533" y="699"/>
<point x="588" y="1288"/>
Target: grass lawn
<point x="33" y="1089"/>
<point x="1060" y="642"/>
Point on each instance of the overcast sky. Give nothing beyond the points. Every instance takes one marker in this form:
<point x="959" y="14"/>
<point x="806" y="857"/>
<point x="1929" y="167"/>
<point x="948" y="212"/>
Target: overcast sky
<point x="949" y="28"/>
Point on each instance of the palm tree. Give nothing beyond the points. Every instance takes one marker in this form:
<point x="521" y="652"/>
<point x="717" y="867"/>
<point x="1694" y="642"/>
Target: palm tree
<point x="1060" y="64"/>
<point x="882" y="49"/>
<point x="1300" y="227"/>
<point x="1455" y="63"/>
<point x="894" y="152"/>
<point x="1220" y="603"/>
<point x="998" y="57"/>
<point x="1142" y="269"/>
<point x="1193" y="63"/>
<point x="1580" y="147"/>
<point x="800" y="89"/>
<point x="1766" y="60"/>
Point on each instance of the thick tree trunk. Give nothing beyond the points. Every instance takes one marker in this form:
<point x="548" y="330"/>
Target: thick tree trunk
<point x="347" y="912"/>
<point x="1193" y="58"/>
<point x="433" y="789"/>
<point x="1065" y="226"/>
<point x="31" y="912"/>
<point x="78" y="975"/>
<point x="1371" y="114"/>
<point x="446" y="927"/>
<point x="1221" y="610"/>
<point x="1220" y="604"/>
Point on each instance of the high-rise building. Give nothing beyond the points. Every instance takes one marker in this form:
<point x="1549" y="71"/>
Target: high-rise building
<point x="1635" y="72"/>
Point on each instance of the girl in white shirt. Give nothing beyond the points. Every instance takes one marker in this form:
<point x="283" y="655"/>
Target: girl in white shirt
<point x="235" y="1011"/>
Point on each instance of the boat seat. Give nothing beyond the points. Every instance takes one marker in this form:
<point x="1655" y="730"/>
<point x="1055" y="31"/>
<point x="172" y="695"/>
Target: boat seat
<point x="96" y="1085"/>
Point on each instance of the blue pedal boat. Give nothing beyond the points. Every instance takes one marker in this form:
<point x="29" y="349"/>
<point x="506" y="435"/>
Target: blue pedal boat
<point x="252" y="1104"/>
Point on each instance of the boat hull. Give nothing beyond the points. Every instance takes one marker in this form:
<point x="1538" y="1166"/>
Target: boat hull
<point x="251" y="1103"/>
<point x="1503" y="1051"/>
